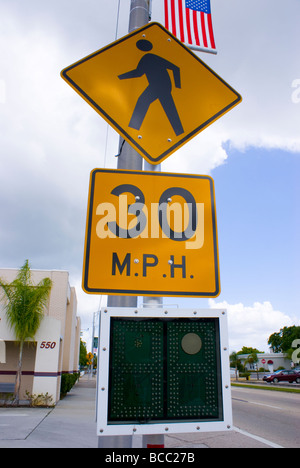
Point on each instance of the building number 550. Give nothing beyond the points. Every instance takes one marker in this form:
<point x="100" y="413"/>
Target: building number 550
<point x="48" y="344"/>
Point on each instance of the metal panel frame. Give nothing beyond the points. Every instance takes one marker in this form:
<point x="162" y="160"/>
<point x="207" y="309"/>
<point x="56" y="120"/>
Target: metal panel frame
<point x="169" y="427"/>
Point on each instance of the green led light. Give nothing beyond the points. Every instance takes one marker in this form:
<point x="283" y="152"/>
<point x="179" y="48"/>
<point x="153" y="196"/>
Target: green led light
<point x="162" y="369"/>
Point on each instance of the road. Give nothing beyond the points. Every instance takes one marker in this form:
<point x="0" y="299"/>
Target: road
<point x="274" y="416"/>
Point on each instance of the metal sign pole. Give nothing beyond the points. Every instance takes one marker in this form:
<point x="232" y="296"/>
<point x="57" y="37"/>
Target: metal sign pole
<point x="154" y="440"/>
<point x="128" y="158"/>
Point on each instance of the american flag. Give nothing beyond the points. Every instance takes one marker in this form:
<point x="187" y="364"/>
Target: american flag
<point x="190" y="21"/>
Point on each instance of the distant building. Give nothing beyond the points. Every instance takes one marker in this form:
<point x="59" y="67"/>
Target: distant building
<point x="269" y="361"/>
<point x="55" y="350"/>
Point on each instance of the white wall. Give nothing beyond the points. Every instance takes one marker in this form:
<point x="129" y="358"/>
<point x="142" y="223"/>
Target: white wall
<point x="47" y="358"/>
<point x="2" y="352"/>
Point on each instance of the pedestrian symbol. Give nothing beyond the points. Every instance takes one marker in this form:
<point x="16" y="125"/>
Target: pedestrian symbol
<point x="154" y="91"/>
<point x="160" y="87"/>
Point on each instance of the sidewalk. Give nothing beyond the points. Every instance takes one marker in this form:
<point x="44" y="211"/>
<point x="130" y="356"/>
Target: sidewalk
<point x="71" y="424"/>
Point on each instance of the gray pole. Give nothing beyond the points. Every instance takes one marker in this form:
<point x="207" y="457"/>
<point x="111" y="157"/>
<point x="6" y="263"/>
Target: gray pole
<point x="128" y="159"/>
<point x="153" y="302"/>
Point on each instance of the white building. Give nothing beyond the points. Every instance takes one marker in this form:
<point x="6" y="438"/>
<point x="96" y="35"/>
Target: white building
<point x="56" y="347"/>
<point x="268" y="361"/>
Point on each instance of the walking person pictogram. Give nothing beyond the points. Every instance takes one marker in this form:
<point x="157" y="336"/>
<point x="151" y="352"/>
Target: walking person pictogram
<point x="160" y="87"/>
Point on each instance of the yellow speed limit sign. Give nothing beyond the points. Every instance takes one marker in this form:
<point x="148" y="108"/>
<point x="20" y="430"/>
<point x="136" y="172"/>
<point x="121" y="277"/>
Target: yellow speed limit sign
<point x="151" y="234"/>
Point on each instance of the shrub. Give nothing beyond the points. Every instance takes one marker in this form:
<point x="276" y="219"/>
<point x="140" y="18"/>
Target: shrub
<point x="245" y="374"/>
<point x="67" y="382"/>
<point x="41" y="400"/>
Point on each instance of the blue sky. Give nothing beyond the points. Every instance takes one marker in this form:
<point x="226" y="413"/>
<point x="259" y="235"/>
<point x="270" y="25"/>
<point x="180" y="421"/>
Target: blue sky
<point x="51" y="139"/>
<point x="258" y="216"/>
<point x="257" y="196"/>
<point x="257" y="193"/>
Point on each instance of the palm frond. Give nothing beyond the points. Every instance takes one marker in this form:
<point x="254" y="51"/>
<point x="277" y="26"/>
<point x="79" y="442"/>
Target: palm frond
<point x="25" y="303"/>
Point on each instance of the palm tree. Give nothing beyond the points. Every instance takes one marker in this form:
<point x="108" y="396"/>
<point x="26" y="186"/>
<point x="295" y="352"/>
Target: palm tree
<point x="235" y="361"/>
<point x="24" y="303"/>
<point x="253" y="359"/>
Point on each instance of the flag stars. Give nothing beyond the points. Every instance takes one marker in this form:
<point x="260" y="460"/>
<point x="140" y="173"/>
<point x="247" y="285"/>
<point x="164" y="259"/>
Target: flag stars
<point x="199" y="5"/>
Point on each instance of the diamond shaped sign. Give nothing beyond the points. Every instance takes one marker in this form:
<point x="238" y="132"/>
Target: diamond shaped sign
<point x="154" y="91"/>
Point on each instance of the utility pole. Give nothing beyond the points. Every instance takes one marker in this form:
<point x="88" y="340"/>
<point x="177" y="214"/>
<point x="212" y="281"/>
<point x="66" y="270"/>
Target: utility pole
<point x="154" y="440"/>
<point x="128" y="159"/>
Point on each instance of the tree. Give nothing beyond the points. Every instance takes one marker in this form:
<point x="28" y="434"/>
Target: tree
<point x="235" y="362"/>
<point x="252" y="359"/>
<point x="82" y="354"/>
<point x="281" y="342"/>
<point x="246" y="350"/>
<point x="24" y="304"/>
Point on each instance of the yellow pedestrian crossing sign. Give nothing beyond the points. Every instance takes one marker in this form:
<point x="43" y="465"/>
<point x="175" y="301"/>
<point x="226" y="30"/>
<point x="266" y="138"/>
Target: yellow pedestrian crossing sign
<point x="152" y="90"/>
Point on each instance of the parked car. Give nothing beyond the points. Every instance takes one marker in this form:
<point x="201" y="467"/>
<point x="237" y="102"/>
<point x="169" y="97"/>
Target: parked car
<point x="283" y="376"/>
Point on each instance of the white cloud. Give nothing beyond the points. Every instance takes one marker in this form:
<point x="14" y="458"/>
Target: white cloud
<point x="261" y="64"/>
<point x="196" y="157"/>
<point x="50" y="141"/>
<point x="251" y="326"/>
<point x="88" y="305"/>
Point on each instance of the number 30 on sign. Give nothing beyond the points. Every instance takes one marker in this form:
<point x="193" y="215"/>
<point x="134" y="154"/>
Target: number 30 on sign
<point x="151" y="234"/>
